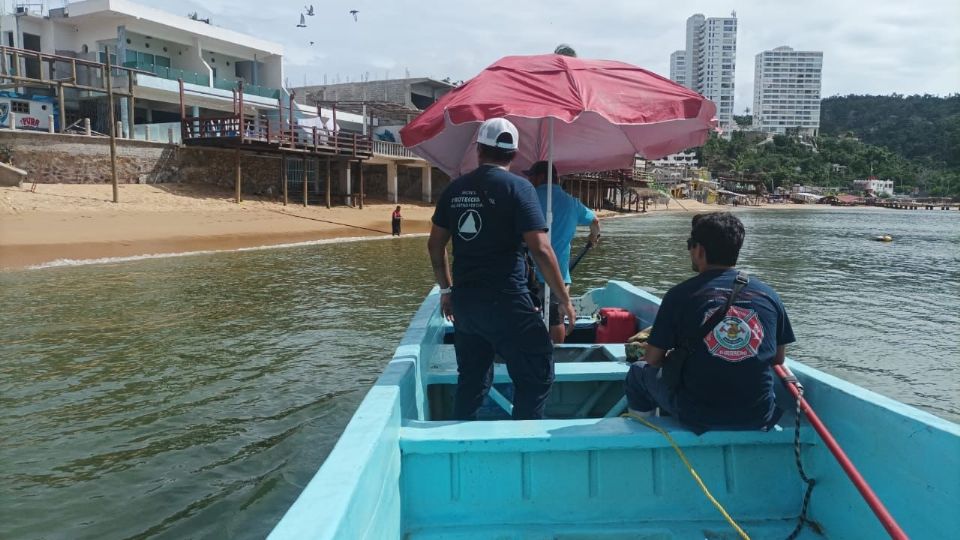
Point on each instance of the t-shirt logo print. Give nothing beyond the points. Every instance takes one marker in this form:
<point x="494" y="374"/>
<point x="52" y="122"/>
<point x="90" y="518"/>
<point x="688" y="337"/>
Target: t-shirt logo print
<point x="737" y="337"/>
<point x="469" y="225"/>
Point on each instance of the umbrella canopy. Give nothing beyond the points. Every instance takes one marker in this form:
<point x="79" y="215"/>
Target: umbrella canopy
<point x="605" y="113"/>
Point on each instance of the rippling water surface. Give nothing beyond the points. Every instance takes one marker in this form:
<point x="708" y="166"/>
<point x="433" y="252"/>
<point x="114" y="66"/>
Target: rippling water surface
<point x="196" y="396"/>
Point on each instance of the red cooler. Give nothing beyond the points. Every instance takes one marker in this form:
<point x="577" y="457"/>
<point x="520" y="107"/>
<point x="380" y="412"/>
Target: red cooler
<point x="616" y="325"/>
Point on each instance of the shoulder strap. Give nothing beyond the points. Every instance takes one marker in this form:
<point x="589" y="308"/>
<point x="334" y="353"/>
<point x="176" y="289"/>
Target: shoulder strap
<point x="742" y="280"/>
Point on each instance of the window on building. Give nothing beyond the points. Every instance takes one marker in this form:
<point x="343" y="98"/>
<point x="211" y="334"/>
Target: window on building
<point x="20" y="107"/>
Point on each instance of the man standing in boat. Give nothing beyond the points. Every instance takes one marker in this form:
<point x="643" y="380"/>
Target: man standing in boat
<point x="489" y="214"/>
<point x="718" y="373"/>
<point x="568" y="212"/>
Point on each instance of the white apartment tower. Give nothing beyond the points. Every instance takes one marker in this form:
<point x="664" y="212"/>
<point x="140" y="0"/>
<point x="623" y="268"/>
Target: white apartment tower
<point x="786" y="91"/>
<point x="678" y="67"/>
<point x="710" y="61"/>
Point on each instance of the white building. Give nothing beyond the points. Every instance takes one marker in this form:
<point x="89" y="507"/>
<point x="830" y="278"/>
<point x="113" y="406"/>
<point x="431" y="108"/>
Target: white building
<point x="874" y="186"/>
<point x="209" y="59"/>
<point x="786" y="91"/>
<point x="678" y="67"/>
<point x="680" y="159"/>
<point x="711" y="61"/>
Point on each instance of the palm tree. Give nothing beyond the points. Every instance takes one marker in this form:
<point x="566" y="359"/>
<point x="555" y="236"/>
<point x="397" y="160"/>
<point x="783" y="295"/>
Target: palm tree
<point x="565" y="50"/>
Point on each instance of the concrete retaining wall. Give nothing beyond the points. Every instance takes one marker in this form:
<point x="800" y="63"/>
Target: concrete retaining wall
<point x="78" y="159"/>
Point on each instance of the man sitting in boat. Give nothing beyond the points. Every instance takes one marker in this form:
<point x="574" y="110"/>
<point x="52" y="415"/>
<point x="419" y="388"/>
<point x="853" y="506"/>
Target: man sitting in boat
<point x="568" y="212"/>
<point x="715" y="376"/>
<point x="489" y="213"/>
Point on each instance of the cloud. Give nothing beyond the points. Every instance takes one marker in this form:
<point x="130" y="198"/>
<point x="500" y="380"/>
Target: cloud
<point x="875" y="47"/>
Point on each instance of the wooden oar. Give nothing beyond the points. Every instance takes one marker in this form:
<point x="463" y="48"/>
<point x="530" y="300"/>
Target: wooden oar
<point x="580" y="255"/>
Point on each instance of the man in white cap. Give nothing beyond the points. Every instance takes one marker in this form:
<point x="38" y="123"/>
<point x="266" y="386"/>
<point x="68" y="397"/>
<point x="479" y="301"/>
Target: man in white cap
<point x="489" y="214"/>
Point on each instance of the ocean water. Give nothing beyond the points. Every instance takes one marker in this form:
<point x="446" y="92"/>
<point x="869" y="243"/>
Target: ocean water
<point x="194" y="397"/>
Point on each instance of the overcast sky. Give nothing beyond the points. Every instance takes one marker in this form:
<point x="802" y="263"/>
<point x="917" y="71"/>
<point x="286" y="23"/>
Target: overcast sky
<point x="869" y="47"/>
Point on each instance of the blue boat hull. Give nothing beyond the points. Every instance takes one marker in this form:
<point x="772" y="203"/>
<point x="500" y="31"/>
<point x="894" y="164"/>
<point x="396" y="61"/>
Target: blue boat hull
<point x="400" y="471"/>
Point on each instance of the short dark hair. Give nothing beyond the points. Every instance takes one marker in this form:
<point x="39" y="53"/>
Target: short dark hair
<point x="492" y="154"/>
<point x="721" y="235"/>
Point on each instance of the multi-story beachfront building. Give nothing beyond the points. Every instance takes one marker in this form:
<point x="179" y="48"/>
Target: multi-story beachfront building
<point x="678" y="67"/>
<point x="786" y="91"/>
<point x="680" y="159"/>
<point x="874" y="186"/>
<point x="51" y="66"/>
<point x="162" y="46"/>
<point x="710" y="61"/>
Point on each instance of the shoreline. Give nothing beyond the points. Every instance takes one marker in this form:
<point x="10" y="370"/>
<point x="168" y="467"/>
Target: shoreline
<point x="77" y="224"/>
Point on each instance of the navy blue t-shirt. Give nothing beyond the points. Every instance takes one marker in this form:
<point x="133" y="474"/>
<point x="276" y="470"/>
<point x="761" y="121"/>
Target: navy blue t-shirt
<point x="487" y="212"/>
<point x="728" y="378"/>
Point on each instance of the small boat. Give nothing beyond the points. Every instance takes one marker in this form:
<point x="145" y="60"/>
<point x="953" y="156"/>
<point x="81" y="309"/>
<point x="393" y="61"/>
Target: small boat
<point x="883" y="238"/>
<point x="402" y="470"/>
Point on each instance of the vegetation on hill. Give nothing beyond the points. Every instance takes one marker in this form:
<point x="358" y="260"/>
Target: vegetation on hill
<point x="914" y="141"/>
<point x="925" y="128"/>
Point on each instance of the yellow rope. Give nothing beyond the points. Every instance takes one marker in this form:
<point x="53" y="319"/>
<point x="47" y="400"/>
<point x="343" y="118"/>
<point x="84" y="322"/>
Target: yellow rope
<point x="693" y="472"/>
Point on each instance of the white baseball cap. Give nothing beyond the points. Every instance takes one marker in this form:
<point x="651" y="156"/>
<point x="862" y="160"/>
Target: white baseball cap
<point x="499" y="133"/>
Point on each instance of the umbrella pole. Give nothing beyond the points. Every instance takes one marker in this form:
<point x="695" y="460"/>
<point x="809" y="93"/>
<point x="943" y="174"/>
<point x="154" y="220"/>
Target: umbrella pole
<point x="546" y="286"/>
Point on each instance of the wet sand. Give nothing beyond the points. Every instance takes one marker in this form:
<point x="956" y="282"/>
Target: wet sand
<point x="80" y="222"/>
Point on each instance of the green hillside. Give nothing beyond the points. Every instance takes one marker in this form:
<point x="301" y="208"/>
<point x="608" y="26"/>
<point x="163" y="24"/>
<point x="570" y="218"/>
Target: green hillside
<point x="914" y="141"/>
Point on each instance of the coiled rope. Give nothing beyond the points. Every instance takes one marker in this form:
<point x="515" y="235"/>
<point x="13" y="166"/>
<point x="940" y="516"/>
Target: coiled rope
<point x="803" y="475"/>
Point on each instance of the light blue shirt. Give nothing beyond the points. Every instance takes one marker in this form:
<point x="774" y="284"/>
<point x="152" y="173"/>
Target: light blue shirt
<point x="568" y="212"/>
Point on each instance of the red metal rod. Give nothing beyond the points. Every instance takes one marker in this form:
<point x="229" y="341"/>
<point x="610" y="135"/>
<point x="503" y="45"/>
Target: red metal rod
<point x="893" y="529"/>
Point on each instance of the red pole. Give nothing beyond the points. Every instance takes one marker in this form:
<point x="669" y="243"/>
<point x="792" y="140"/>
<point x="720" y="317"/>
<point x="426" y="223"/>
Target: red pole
<point x="893" y="529"/>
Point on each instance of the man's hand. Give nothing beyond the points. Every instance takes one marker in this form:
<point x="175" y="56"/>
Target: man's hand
<point x="594" y="237"/>
<point x="566" y="309"/>
<point x="446" y="306"/>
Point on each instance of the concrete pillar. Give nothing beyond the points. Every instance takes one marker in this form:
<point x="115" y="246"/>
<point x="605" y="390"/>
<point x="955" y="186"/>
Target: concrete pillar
<point x="426" y="184"/>
<point x="13" y="120"/>
<point x="86" y="127"/>
<point x="123" y="130"/>
<point x="392" y="182"/>
<point x="51" y="127"/>
<point x="346" y="183"/>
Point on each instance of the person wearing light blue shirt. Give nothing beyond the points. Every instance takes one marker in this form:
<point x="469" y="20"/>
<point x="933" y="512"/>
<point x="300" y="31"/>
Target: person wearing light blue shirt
<point x="568" y="213"/>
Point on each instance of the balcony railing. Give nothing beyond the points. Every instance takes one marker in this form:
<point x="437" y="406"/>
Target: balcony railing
<point x="191" y="77"/>
<point x="202" y="79"/>
<point x="391" y="149"/>
<point x="299" y="137"/>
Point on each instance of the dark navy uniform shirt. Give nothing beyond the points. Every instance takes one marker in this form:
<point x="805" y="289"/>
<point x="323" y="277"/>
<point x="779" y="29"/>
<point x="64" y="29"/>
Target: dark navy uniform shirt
<point x="487" y="212"/>
<point x="728" y="378"/>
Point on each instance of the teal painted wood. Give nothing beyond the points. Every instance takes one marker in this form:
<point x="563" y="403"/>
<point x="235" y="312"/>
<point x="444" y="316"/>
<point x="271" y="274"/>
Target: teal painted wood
<point x="910" y="458"/>
<point x="395" y="473"/>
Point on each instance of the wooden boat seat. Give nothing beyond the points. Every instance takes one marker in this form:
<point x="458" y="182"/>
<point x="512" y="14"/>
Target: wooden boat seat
<point x="418" y="437"/>
<point x="443" y="365"/>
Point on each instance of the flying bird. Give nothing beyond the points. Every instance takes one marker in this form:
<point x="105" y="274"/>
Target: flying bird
<point x="354" y="13"/>
<point x="303" y="22"/>
<point x="309" y="10"/>
<point x="311" y="43"/>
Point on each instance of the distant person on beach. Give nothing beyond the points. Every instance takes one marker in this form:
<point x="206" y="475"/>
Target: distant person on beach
<point x="395" y="221"/>
<point x="716" y="375"/>
<point x="489" y="214"/>
<point x="568" y="212"/>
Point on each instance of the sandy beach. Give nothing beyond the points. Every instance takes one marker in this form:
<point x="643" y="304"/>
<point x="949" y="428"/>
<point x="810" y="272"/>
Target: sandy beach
<point x="80" y="221"/>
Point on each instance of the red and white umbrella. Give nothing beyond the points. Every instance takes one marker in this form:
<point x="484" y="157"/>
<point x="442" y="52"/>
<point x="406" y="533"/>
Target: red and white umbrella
<point x="603" y="114"/>
<point x="579" y="115"/>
